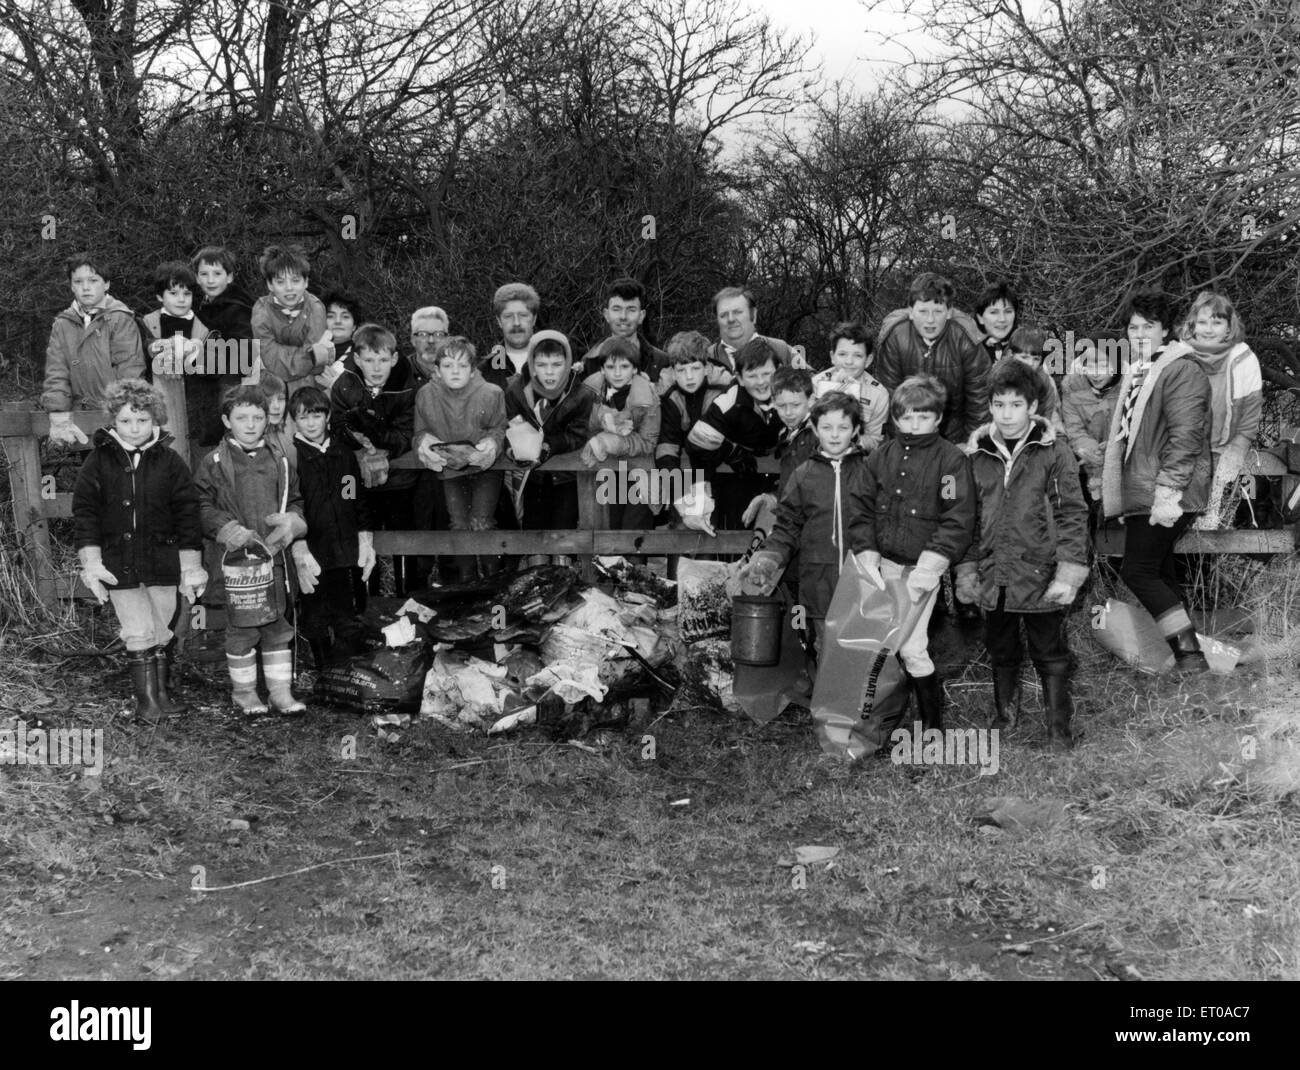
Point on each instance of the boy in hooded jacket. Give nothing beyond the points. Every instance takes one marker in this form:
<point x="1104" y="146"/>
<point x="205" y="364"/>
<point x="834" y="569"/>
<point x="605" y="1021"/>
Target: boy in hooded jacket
<point x="1030" y="554"/>
<point x="93" y="342"/>
<point x="553" y="400"/>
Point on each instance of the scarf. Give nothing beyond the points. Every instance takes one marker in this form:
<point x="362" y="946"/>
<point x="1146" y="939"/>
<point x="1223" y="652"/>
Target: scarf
<point x="322" y="445"/>
<point x="136" y="452"/>
<point x="616" y="397"/>
<point x="544" y="400"/>
<point x="289" y="313"/>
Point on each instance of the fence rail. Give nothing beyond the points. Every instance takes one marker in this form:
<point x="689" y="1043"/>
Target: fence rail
<point x="35" y="503"/>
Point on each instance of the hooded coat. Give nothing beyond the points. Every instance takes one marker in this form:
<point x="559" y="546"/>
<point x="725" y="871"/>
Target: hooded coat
<point x="82" y="357"/>
<point x="470" y="414"/>
<point x="1032" y="523"/>
<point x="813" y="520"/>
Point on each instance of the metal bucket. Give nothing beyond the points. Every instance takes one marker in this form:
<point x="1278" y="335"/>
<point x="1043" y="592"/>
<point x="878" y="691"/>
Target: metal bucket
<point x="756" y="630"/>
<point x="249" y="573"/>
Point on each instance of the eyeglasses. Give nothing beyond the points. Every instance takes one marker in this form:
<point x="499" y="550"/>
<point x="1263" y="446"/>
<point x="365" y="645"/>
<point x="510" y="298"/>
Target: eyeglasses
<point x="428" y="334"/>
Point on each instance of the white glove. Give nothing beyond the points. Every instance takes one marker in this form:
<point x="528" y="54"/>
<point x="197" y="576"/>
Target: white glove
<point x="925" y="577"/>
<point x="1060" y="593"/>
<point x="93" y="573"/>
<point x="323" y="349"/>
<point x="1166" y="506"/>
<point x="430" y="457"/>
<point x="62" y="429"/>
<point x="308" y="568"/>
<point x="365" y="553"/>
<point x="967" y="588"/>
<point x="374" y="467"/>
<point x="593" y="452"/>
<point x="194" y="577"/>
<point x="285" y="527"/>
<point x="487" y="451"/>
<point x="870" y="562"/>
<point x="762" y="571"/>
<point x="695" y="509"/>
<point x="760" y="502"/>
<point x="329" y="374"/>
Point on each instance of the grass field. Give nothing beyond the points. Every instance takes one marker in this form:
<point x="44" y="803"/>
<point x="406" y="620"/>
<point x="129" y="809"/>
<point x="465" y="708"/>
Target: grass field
<point x="528" y="857"/>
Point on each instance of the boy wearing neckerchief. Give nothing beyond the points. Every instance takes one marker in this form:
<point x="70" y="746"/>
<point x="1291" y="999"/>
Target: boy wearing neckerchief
<point x="289" y="323"/>
<point x="93" y="343"/>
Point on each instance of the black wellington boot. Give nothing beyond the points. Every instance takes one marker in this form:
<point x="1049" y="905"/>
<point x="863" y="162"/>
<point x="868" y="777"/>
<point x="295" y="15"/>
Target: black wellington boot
<point x="929" y="700"/>
<point x="1187" y="652"/>
<point x="163" y="667"/>
<point x="1058" y="706"/>
<point x="144" y="681"/>
<point x="1006" y="696"/>
<point x="321" y="649"/>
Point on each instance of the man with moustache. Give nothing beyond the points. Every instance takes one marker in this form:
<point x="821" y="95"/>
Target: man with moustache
<point x="515" y="307"/>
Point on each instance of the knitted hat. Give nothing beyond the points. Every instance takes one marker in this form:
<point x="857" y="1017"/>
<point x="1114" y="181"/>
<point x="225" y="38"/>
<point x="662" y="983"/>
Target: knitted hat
<point x="549" y="336"/>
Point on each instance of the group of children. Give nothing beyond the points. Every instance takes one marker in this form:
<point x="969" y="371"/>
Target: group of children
<point x="974" y="476"/>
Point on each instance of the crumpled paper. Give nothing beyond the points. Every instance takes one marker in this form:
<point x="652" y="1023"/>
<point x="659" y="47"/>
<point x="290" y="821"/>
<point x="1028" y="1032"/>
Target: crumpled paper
<point x="400" y="633"/>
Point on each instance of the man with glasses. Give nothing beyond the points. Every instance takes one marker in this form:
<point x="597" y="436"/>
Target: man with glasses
<point x="429" y="326"/>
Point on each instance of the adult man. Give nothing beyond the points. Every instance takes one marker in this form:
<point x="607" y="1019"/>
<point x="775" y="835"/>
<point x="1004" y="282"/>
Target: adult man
<point x="515" y="306"/>
<point x="624" y="314"/>
<point x="737" y="314"/>
<point x="429" y="326"/>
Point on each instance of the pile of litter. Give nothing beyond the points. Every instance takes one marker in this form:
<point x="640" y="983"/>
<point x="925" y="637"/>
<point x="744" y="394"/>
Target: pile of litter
<point x="540" y="647"/>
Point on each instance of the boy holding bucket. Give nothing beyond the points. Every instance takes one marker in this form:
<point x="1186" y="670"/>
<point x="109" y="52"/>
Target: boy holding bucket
<point x="248" y="495"/>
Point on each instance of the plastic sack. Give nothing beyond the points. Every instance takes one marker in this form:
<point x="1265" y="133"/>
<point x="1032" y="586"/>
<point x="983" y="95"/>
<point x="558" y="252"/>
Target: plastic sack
<point x="703" y="599"/>
<point x="1132" y="635"/>
<point x="378" y="681"/>
<point x="861" y="691"/>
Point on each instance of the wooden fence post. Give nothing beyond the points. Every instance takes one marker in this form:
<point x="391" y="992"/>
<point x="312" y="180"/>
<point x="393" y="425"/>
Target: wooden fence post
<point x="33" y="530"/>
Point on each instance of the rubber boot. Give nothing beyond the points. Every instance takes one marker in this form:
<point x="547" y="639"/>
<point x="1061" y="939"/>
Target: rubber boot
<point x="929" y="700"/>
<point x="1058" y="706"/>
<point x="144" y="682"/>
<point x="163" y="667"/>
<point x="1187" y="652"/>
<point x="1006" y="696"/>
<point x="277" y="666"/>
<point x="243" y="682"/>
<point x="320" y="653"/>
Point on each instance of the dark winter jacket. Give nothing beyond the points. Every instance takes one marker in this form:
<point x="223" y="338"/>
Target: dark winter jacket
<point x="565" y="428"/>
<point x="334" y="505"/>
<point x="813" y="519"/>
<point x="1032" y="524"/>
<point x="1168" y="443"/>
<point x="678" y="413"/>
<point x="954" y="358"/>
<point x="916" y="496"/>
<point x="792" y="450"/>
<point x="734" y="429"/>
<point x="83" y="358"/>
<point x="385" y="416"/>
<point x="141" y="515"/>
<point x="229" y="314"/>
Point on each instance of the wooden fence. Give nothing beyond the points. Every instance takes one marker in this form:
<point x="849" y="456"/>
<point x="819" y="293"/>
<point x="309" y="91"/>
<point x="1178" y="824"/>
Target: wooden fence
<point x="35" y="503"/>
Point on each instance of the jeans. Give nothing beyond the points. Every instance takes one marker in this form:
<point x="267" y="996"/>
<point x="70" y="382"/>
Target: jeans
<point x="472" y="498"/>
